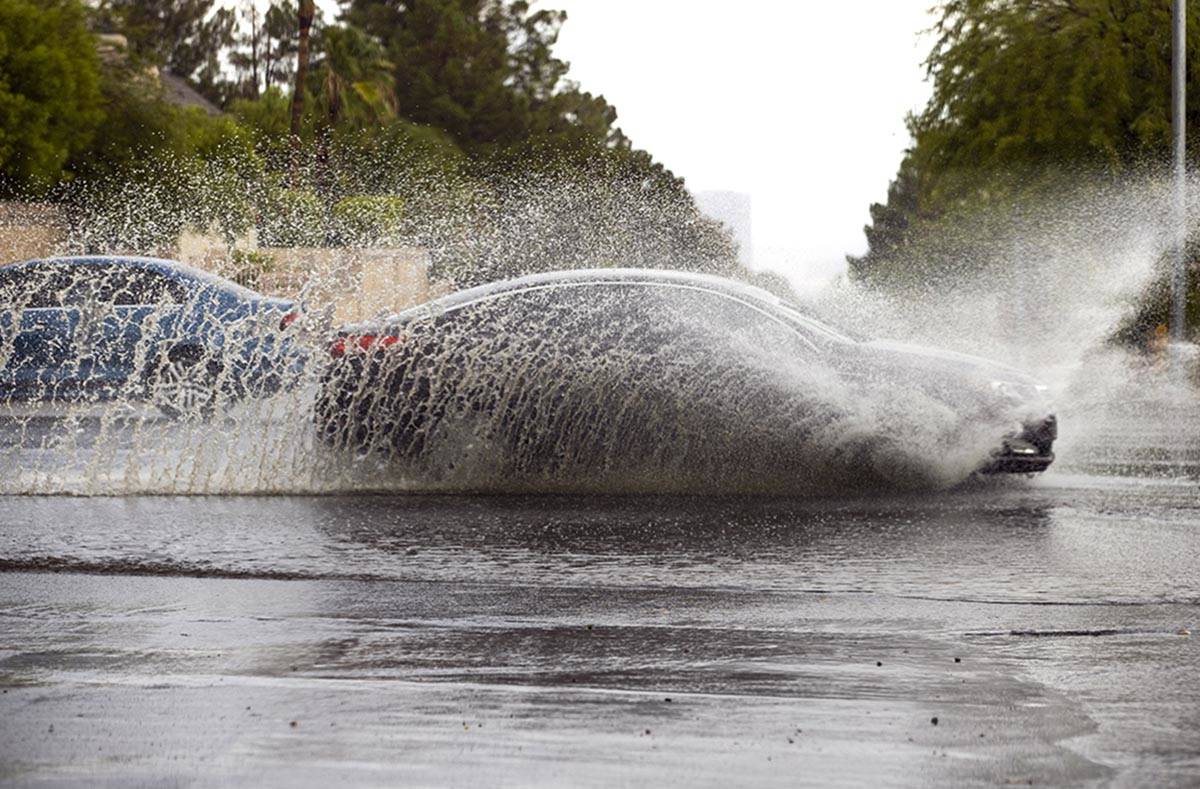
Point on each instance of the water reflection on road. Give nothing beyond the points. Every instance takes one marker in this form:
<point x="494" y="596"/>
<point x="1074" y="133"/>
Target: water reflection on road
<point x="1059" y="539"/>
<point x="537" y="640"/>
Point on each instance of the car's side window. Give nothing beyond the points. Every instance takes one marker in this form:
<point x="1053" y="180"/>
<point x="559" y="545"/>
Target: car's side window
<point x="37" y="286"/>
<point x="14" y="288"/>
<point x="144" y="286"/>
<point x="739" y="321"/>
<point x="646" y="314"/>
<point x="118" y="285"/>
<point x="86" y="285"/>
<point x="595" y="309"/>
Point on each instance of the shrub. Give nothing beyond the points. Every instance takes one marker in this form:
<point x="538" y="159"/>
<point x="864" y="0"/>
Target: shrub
<point x="291" y="218"/>
<point x="247" y="268"/>
<point x="368" y="220"/>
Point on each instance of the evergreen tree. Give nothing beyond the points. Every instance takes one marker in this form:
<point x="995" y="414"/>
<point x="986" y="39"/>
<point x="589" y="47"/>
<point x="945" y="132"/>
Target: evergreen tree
<point x="891" y="222"/>
<point x="1028" y="97"/>
<point x="451" y="64"/>
<point x="186" y="37"/>
<point x="263" y="48"/>
<point x="248" y="54"/>
<point x="49" y="91"/>
<point x="483" y="70"/>
<point x="351" y="79"/>
<point x="304" y="17"/>
<point x="1032" y="81"/>
<point x="281" y="31"/>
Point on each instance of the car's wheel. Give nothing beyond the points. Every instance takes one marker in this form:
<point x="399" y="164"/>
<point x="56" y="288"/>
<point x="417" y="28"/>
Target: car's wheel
<point x="185" y="385"/>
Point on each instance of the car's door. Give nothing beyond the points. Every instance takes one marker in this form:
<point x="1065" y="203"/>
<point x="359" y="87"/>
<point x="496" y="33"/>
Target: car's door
<point x="587" y="359"/>
<point x="125" y="310"/>
<point x="37" y="345"/>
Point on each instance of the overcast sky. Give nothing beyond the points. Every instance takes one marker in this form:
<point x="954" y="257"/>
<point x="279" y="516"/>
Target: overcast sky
<point x="800" y="104"/>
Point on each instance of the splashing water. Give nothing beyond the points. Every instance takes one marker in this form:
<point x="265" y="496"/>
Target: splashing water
<point x="634" y="381"/>
<point x="709" y="410"/>
<point x="1059" y="281"/>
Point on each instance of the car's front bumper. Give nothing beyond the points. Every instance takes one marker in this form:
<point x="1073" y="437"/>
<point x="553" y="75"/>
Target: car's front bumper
<point x="1026" y="451"/>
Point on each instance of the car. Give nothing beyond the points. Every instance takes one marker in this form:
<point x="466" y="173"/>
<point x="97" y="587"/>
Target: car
<point x="664" y="373"/>
<point x="97" y="328"/>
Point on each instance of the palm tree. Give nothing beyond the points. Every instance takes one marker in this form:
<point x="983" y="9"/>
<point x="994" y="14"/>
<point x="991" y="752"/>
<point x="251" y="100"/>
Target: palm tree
<point x="353" y="80"/>
<point x="307" y="10"/>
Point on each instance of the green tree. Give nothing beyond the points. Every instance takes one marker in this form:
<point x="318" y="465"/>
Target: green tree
<point x="1028" y="96"/>
<point x="305" y="15"/>
<point x="187" y="37"/>
<point x="139" y="124"/>
<point x="121" y="200"/>
<point x="476" y="68"/>
<point x="265" y="117"/>
<point x="484" y="71"/>
<point x="1033" y="81"/>
<point x="49" y="91"/>
<point x="248" y="53"/>
<point x="892" y="223"/>
<point x="281" y="32"/>
<point x="352" y="79"/>
<point x="263" y="47"/>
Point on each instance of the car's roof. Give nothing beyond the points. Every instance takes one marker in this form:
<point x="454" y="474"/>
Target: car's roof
<point x="759" y="298"/>
<point x="583" y="277"/>
<point x="142" y="261"/>
<point x="612" y="275"/>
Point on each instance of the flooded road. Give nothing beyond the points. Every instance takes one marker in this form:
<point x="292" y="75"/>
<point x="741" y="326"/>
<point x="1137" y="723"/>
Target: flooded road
<point x="1016" y="631"/>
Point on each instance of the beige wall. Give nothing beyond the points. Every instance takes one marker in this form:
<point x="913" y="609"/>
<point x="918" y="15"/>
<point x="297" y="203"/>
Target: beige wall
<point x="356" y="283"/>
<point x="202" y="250"/>
<point x="30" y="230"/>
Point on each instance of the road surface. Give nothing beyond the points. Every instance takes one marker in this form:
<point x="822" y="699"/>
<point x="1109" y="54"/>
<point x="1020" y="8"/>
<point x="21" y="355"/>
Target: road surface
<point x="1016" y="631"/>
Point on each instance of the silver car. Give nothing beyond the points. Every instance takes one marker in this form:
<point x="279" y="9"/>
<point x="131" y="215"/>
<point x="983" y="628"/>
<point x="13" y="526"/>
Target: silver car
<point x="660" y="372"/>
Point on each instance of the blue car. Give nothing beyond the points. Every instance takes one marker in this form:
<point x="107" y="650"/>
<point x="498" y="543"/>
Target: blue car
<point x="88" y="329"/>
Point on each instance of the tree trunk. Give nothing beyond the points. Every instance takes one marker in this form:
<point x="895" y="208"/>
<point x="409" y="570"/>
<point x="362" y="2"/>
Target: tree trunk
<point x="268" y="62"/>
<point x="306" y="18"/>
<point x="254" y="46"/>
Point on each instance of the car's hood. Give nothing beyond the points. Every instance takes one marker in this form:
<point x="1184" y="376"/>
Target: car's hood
<point x="943" y="359"/>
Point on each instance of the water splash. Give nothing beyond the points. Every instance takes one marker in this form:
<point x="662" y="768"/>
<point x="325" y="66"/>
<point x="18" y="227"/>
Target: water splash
<point x="1049" y="292"/>
<point x="746" y="418"/>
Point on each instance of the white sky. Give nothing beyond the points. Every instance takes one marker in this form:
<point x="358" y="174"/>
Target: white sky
<point x="801" y="104"/>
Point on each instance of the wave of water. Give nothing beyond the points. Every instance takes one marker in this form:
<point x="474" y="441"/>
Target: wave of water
<point x="743" y="417"/>
<point x="750" y="422"/>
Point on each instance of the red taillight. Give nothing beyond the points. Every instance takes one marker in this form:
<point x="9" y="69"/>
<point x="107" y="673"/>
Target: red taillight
<point x="288" y="319"/>
<point x="361" y="342"/>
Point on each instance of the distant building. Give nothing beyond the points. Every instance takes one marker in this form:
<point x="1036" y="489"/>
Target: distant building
<point x="113" y="50"/>
<point x="177" y="91"/>
<point x="731" y="209"/>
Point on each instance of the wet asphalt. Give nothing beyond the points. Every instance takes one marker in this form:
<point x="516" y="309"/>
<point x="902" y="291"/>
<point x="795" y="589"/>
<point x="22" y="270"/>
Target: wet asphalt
<point x="1010" y="631"/>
